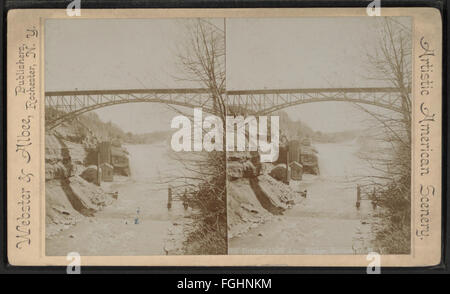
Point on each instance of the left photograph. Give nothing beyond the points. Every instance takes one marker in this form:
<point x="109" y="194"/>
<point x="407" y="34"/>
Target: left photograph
<point x="116" y="93"/>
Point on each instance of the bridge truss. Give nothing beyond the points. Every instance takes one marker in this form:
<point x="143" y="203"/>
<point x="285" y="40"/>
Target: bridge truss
<point x="70" y="104"/>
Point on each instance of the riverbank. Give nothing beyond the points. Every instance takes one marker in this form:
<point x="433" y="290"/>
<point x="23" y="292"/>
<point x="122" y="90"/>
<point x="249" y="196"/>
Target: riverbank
<point x="69" y="197"/>
<point x="326" y="222"/>
<point x="137" y="223"/>
<point x="114" y="230"/>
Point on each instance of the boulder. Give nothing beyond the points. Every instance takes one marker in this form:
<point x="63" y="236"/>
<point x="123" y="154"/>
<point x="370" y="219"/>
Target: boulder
<point x="56" y="171"/>
<point x="249" y="170"/>
<point x="90" y="174"/>
<point x="238" y="155"/>
<point x="279" y="172"/>
<point x="235" y="170"/>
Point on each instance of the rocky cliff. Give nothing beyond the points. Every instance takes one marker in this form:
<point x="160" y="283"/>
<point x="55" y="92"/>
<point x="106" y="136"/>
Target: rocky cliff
<point x="253" y="196"/>
<point x="69" y="197"/>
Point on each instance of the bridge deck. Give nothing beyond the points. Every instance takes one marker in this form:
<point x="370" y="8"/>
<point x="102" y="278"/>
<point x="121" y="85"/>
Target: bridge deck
<point x="261" y="101"/>
<point x="229" y="92"/>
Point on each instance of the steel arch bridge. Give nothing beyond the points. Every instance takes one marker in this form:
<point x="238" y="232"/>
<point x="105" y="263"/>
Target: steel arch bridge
<point x="71" y="104"/>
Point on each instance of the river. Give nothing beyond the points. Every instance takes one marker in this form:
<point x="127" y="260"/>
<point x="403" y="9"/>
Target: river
<point x="142" y="196"/>
<point x="327" y="221"/>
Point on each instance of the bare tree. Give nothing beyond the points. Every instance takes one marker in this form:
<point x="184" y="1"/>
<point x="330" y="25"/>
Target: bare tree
<point x="390" y="63"/>
<point x="202" y="61"/>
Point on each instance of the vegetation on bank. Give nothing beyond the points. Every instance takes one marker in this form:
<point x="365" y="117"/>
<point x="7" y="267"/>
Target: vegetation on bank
<point x="395" y="235"/>
<point x="90" y="124"/>
<point x="208" y="198"/>
<point x="390" y="63"/>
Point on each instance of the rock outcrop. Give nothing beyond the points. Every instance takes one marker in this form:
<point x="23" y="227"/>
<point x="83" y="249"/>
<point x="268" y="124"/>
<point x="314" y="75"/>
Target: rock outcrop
<point x="279" y="172"/>
<point x="242" y="165"/>
<point x="69" y="191"/>
<point x="252" y="197"/>
<point x="244" y="209"/>
<point x="90" y="174"/>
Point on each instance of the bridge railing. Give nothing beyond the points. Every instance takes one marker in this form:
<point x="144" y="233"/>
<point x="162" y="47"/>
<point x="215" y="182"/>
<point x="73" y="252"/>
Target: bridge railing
<point x="267" y="101"/>
<point x="258" y="102"/>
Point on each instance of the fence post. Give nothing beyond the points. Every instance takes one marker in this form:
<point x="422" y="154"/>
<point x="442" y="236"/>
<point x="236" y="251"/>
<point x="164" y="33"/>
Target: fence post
<point x="169" y="198"/>
<point x="358" y="196"/>
<point x="98" y="167"/>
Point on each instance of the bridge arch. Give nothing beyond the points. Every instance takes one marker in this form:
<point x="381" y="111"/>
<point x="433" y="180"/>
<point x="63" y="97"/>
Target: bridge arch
<point x="264" y="102"/>
<point x="73" y="114"/>
<point x="280" y="107"/>
<point x="75" y="103"/>
<point x="250" y="102"/>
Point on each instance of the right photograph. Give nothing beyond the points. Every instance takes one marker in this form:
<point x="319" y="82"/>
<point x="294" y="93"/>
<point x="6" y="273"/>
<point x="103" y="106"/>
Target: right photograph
<point x="341" y="90"/>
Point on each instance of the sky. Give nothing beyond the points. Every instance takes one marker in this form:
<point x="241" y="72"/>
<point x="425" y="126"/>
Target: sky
<point x="116" y="54"/>
<point x="261" y="53"/>
<point x="304" y="53"/>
